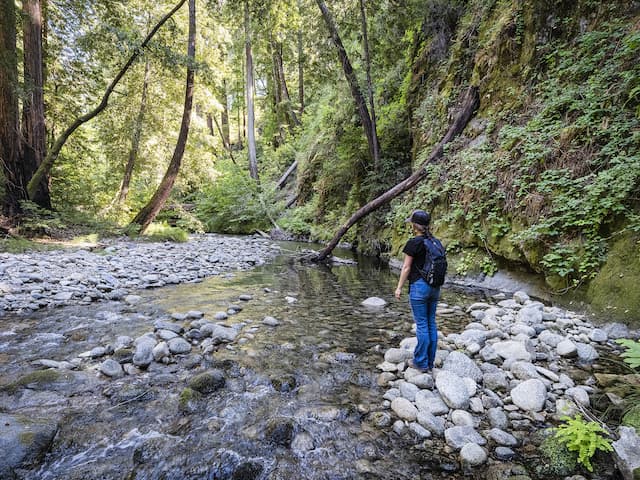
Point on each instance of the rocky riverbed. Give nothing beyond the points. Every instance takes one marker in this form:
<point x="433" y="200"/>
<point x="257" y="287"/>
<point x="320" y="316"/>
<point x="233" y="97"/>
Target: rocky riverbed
<point x="81" y="276"/>
<point x="507" y="376"/>
<point x="273" y="378"/>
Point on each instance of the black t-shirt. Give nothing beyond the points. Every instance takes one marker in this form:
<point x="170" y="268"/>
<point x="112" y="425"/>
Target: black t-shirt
<point x="415" y="248"/>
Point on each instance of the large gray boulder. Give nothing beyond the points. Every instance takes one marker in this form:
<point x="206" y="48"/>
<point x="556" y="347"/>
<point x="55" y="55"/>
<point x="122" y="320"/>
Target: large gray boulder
<point x="397" y="355"/>
<point x="530" y="395"/>
<point x="432" y="423"/>
<point x="472" y="454"/>
<point x="458" y="437"/>
<point x="626" y="451"/>
<point x="24" y="440"/>
<point x="430" y="402"/>
<point x="219" y="333"/>
<point x="461" y="365"/>
<point x="512" y="350"/>
<point x="405" y="409"/>
<point x="453" y="390"/>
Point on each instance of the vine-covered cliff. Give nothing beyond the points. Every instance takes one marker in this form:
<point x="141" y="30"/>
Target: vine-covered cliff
<point x="547" y="175"/>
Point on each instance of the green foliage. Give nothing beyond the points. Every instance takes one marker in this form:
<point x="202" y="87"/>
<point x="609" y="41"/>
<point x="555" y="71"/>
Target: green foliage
<point x="235" y="203"/>
<point x="631" y="417"/>
<point x="584" y="438"/>
<point x="161" y="232"/>
<point x="631" y="355"/>
<point x="556" y="458"/>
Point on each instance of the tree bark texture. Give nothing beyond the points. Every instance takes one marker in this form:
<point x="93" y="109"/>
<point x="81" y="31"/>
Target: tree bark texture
<point x="135" y="138"/>
<point x="225" y="142"/>
<point x="34" y="137"/>
<point x="300" y="73"/>
<point x="469" y="106"/>
<point x="150" y="211"/>
<point x="251" y="134"/>
<point x="367" y="62"/>
<point x="224" y="116"/>
<point x="284" y="90"/>
<point x="52" y="155"/>
<point x="10" y="157"/>
<point x="352" y="79"/>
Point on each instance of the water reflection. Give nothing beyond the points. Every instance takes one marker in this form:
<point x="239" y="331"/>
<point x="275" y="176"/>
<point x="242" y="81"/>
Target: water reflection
<point x="297" y="395"/>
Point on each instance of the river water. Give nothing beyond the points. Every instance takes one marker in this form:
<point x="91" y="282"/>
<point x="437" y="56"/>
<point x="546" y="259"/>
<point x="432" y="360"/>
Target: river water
<point x="298" y="397"/>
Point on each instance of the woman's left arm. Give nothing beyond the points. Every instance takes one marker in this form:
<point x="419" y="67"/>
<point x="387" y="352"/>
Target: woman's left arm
<point x="404" y="274"/>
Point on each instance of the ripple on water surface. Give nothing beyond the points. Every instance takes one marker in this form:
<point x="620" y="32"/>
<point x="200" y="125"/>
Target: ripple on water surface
<point x="296" y="394"/>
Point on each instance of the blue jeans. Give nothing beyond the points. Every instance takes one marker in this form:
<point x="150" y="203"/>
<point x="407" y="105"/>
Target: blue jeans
<point x="423" y="299"/>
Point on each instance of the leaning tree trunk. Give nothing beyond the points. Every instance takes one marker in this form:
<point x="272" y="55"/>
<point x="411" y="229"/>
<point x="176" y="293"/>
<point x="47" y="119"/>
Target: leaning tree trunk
<point x="45" y="167"/>
<point x="12" y="168"/>
<point x="151" y="209"/>
<point x="251" y="134"/>
<point x="135" y="138"/>
<point x="34" y="138"/>
<point x="469" y="107"/>
<point x="352" y="79"/>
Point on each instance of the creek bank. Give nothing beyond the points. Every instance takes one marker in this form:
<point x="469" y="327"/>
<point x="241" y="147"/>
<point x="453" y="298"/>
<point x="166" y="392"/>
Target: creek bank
<point x="37" y="280"/>
<point x="501" y="380"/>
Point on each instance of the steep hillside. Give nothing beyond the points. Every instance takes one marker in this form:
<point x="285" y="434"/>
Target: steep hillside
<point x="547" y="175"/>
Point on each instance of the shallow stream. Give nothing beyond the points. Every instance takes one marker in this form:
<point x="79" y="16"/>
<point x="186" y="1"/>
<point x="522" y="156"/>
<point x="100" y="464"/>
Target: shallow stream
<point x="296" y="400"/>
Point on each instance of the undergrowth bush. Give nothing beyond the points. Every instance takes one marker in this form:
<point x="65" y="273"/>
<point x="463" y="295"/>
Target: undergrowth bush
<point x="584" y="438"/>
<point x="160" y="232"/>
<point x="235" y="203"/>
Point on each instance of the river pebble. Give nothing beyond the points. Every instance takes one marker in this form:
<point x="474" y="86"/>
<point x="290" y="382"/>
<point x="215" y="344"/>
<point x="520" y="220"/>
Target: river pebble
<point x="506" y="369"/>
<point x="39" y="280"/>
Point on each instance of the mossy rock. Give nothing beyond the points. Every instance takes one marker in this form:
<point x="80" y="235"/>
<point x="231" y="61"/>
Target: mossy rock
<point x="615" y="288"/>
<point x="632" y="418"/>
<point x="207" y="382"/>
<point x="555" y="458"/>
<point x="40" y="380"/>
<point x="187" y="397"/>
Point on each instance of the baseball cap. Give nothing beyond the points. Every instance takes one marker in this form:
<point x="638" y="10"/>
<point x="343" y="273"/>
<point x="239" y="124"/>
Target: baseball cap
<point x="420" y="217"/>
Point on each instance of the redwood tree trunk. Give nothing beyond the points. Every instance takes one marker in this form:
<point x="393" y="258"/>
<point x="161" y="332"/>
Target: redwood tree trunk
<point x="352" y="79"/>
<point x="135" y="139"/>
<point x="12" y="167"/>
<point x="284" y="90"/>
<point x="251" y="138"/>
<point x="367" y="62"/>
<point x="300" y="74"/>
<point x="150" y="211"/>
<point x="469" y="106"/>
<point x="33" y="125"/>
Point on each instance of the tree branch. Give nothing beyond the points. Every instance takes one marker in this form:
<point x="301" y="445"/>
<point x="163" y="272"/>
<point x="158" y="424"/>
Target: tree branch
<point x="469" y="107"/>
<point x="45" y="167"/>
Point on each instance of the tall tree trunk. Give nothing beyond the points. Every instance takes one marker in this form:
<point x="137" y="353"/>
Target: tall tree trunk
<point x="300" y="67"/>
<point x="151" y="209"/>
<point x="251" y="134"/>
<point x="135" y="138"/>
<point x="470" y="105"/>
<point x="352" y="79"/>
<point x="10" y="158"/>
<point x="367" y="62"/>
<point x="284" y="95"/>
<point x="226" y="145"/>
<point x="45" y="167"/>
<point x="224" y="116"/>
<point x="34" y="138"/>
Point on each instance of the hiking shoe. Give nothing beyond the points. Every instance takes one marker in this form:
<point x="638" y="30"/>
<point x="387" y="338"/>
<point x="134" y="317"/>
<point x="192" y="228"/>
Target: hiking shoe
<point x="420" y="369"/>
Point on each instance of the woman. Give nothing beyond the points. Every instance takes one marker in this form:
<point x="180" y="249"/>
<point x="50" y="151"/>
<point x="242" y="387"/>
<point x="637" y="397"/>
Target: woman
<point x="423" y="298"/>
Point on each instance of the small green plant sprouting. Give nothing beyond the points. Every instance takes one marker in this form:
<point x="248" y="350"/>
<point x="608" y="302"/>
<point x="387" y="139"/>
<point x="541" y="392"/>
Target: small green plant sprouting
<point x="584" y="438"/>
<point x="631" y="355"/>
